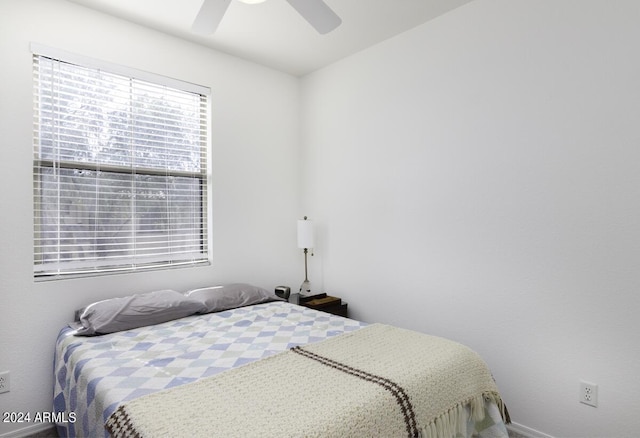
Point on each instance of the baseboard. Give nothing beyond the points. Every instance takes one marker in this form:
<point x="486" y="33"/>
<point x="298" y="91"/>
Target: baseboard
<point x="526" y="431"/>
<point x="25" y="432"/>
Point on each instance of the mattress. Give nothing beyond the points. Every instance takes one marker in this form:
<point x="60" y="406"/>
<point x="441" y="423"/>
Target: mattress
<point x="94" y="375"/>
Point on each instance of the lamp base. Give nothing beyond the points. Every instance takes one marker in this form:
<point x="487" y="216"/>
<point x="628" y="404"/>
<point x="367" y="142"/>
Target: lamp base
<point x="305" y="289"/>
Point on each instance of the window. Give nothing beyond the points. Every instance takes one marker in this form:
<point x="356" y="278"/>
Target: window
<point x="120" y="170"/>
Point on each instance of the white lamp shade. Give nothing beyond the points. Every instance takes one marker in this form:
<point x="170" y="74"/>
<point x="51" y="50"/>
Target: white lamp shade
<point x="305" y="234"/>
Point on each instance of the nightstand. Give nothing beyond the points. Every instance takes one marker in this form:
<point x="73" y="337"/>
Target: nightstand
<point x="322" y="302"/>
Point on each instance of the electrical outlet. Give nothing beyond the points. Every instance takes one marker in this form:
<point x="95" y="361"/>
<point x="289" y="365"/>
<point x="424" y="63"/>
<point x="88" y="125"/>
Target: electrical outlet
<point x="4" y="382"/>
<point x="589" y="393"/>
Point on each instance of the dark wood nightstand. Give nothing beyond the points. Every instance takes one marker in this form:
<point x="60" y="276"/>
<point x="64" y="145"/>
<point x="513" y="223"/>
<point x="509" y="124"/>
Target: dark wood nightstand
<point x="322" y="302"/>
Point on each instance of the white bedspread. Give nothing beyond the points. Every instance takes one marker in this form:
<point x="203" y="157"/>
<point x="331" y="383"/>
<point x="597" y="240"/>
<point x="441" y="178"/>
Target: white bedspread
<point x="380" y="381"/>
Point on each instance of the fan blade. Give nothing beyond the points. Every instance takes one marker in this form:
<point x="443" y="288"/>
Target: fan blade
<point x="318" y="14"/>
<point x="210" y="16"/>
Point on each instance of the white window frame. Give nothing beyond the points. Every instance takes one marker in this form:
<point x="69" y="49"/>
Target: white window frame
<point x="56" y="270"/>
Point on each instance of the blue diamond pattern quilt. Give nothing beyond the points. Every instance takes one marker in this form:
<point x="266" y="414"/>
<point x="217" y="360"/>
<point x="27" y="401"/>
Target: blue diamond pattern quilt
<point x="93" y="375"/>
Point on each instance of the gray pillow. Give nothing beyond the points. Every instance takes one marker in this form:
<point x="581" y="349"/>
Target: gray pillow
<point x="117" y="314"/>
<point x="230" y="296"/>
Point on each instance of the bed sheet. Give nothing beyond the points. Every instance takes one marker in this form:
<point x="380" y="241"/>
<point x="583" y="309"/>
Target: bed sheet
<point x="93" y="375"/>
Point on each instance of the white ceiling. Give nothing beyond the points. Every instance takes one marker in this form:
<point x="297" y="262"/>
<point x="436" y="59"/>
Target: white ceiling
<point x="273" y="34"/>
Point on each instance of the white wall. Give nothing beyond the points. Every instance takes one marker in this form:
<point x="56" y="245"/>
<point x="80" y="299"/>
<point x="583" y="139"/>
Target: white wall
<point x="478" y="177"/>
<point x="255" y="155"/>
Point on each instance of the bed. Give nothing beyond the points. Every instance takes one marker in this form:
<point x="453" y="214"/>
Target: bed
<point x="271" y="369"/>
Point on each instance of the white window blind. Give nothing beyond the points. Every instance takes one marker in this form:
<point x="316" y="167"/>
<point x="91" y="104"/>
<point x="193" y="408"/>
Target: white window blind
<point x="120" y="172"/>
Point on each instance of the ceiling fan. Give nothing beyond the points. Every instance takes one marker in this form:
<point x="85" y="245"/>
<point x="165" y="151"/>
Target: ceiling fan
<point x="316" y="12"/>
